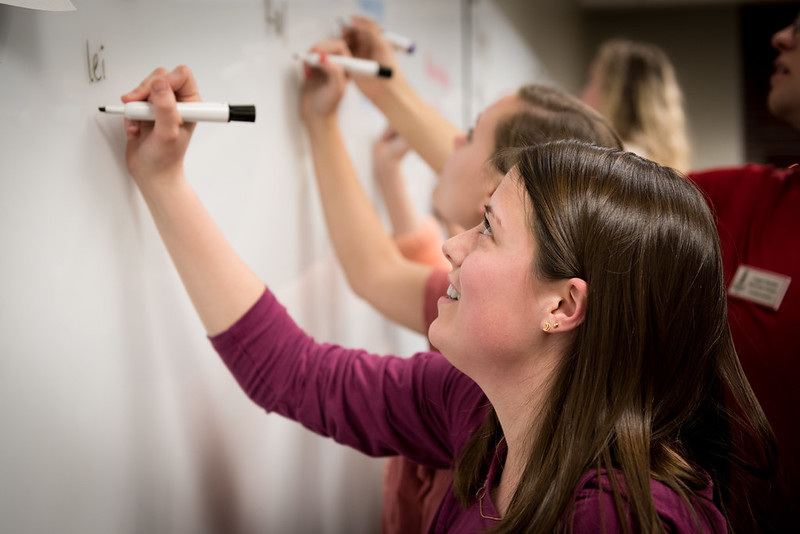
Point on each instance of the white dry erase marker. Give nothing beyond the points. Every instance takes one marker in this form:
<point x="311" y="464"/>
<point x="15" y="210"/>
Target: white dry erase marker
<point x="399" y="42"/>
<point x="353" y="65"/>
<point x="190" y="111"/>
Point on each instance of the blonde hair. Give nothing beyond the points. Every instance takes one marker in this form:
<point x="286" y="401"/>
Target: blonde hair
<point x="641" y="97"/>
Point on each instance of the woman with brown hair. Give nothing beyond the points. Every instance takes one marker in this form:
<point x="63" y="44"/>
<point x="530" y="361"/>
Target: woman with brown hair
<point x="587" y="380"/>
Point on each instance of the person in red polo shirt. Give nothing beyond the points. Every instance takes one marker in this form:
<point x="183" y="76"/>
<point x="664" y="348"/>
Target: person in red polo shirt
<point x="758" y="219"/>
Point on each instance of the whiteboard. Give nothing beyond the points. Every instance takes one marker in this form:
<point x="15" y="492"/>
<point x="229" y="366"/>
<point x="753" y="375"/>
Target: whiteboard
<point x="116" y="415"/>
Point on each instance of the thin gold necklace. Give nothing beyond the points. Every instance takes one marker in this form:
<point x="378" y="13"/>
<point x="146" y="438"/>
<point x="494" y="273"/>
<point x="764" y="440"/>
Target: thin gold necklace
<point x="480" y="495"/>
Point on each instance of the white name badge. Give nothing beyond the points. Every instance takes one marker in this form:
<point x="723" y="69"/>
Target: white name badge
<point x="759" y="286"/>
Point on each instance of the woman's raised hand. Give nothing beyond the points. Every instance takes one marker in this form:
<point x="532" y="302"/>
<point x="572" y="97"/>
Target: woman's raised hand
<point x="324" y="85"/>
<point x="156" y="149"/>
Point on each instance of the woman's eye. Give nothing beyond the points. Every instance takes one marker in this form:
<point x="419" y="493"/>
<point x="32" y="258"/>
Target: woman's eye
<point x="487" y="228"/>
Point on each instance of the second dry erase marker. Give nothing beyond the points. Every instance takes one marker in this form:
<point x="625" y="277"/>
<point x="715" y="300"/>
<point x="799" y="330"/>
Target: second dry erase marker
<point x="399" y="42"/>
<point x="189" y="111"/>
<point x="353" y="65"/>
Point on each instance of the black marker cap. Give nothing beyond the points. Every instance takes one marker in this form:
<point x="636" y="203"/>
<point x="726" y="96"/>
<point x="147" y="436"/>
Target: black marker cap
<point x="242" y="113"/>
<point x="384" y="72"/>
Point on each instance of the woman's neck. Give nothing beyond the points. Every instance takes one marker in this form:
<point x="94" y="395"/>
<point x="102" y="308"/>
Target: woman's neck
<point x="518" y="435"/>
<point x="518" y="406"/>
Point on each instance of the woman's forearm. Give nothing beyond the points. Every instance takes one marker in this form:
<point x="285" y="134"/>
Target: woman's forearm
<point x="221" y="286"/>
<point x="423" y="127"/>
<point x="373" y="265"/>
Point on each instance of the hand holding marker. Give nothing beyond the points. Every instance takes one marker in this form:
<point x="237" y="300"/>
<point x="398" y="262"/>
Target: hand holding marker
<point x="353" y="65"/>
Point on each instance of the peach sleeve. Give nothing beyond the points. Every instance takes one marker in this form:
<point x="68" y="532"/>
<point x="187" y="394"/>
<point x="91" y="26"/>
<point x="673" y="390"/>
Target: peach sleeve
<point x="424" y="245"/>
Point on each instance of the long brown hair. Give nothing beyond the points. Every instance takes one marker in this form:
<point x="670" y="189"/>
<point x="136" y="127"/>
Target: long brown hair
<point x="652" y="385"/>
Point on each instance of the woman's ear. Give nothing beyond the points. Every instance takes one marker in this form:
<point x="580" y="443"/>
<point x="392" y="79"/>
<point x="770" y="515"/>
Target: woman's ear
<point x="571" y="309"/>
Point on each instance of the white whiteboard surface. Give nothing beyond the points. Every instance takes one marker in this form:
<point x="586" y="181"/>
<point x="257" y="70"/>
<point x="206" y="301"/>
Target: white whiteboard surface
<point x="115" y="413"/>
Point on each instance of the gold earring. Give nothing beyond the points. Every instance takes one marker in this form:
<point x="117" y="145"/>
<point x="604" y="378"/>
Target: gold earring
<point x="555" y="325"/>
<point x="546" y="327"/>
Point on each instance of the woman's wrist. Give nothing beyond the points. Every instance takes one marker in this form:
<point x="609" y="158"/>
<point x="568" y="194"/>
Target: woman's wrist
<point x="387" y="171"/>
<point x="157" y="187"/>
<point x="320" y="125"/>
<point x="394" y="93"/>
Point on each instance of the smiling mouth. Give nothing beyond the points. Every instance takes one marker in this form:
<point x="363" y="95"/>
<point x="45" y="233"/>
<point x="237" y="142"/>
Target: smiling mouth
<point x="452" y="293"/>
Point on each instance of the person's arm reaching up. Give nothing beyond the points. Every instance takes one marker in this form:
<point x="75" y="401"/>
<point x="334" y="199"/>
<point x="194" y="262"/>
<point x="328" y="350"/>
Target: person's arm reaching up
<point x="387" y="154"/>
<point x="418" y="237"/>
<point x="426" y="130"/>
<point x="374" y="267"/>
<point x="221" y="286"/>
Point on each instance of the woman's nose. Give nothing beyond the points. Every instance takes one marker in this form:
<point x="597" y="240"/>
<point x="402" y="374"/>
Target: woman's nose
<point x="457" y="247"/>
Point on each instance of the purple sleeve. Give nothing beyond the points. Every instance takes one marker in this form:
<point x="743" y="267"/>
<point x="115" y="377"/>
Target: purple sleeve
<point x="595" y="512"/>
<point x="420" y="407"/>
